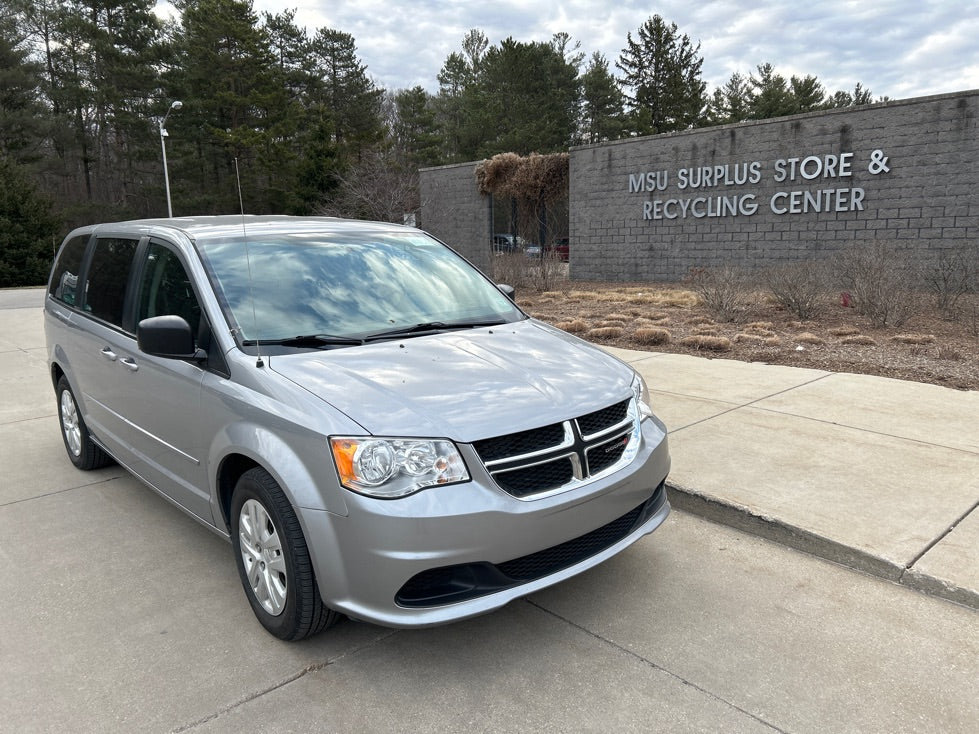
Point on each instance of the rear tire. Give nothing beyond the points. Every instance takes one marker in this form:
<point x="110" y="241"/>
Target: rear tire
<point x="273" y="560"/>
<point x="83" y="452"/>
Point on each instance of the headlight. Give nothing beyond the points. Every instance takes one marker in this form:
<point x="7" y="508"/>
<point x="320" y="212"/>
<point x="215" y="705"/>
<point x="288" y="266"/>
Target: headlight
<point x="395" y="467"/>
<point x="642" y="397"/>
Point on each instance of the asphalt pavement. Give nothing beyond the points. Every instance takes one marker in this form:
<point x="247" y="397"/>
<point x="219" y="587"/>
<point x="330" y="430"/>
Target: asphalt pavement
<point x="119" y="613"/>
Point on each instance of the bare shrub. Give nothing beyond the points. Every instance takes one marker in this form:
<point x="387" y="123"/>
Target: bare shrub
<point x="709" y="343"/>
<point x="883" y="281"/>
<point x="726" y="292"/>
<point x="510" y="268"/>
<point x="577" y="326"/>
<point x="800" y="287"/>
<point x="545" y="270"/>
<point x="948" y="279"/>
<point x="653" y="336"/>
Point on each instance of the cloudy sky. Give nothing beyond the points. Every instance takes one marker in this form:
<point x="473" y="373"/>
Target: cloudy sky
<point x="898" y="48"/>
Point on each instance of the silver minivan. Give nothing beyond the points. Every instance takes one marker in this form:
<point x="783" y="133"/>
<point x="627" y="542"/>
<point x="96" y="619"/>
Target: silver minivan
<point x="377" y="427"/>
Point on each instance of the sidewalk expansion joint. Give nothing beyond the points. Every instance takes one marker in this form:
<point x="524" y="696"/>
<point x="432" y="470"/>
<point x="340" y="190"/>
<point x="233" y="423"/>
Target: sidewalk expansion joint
<point x="738" y="406"/>
<point x="649" y="663"/>
<point x="298" y="675"/>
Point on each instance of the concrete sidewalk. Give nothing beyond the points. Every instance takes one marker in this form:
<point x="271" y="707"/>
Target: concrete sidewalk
<point x="878" y="474"/>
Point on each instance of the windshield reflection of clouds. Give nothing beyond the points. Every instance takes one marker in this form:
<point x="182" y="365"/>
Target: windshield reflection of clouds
<point x="348" y="285"/>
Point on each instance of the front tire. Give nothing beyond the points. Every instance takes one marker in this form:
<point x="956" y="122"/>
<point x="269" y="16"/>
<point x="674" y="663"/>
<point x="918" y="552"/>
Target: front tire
<point x="273" y="560"/>
<point x="83" y="452"/>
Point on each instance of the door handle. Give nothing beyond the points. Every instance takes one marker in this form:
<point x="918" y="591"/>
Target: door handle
<point x="108" y="354"/>
<point x="129" y="363"/>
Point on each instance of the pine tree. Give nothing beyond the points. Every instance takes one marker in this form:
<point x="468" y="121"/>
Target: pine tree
<point x="771" y="96"/>
<point x="732" y="102"/>
<point x="662" y="72"/>
<point x="602" y="114"/>
<point x="27" y="229"/>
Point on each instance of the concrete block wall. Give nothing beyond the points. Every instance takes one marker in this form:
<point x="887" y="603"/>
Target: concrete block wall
<point x="653" y="208"/>
<point x="905" y="172"/>
<point x="454" y="211"/>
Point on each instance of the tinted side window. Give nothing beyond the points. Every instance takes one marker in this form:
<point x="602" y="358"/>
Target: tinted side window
<point x="64" y="278"/>
<point x="166" y="289"/>
<point x="108" y="274"/>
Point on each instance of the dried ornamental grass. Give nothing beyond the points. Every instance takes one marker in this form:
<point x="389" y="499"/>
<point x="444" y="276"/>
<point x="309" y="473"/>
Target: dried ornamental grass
<point x="768" y="341"/>
<point x="807" y="337"/>
<point x="913" y="338"/>
<point x="700" y="320"/>
<point x="577" y="326"/>
<point x="653" y="336"/>
<point x="607" y="332"/>
<point x="844" y="331"/>
<point x="706" y="342"/>
<point x="859" y="340"/>
<point x="705" y="330"/>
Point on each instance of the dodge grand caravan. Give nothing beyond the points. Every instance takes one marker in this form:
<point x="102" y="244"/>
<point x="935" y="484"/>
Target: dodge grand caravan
<point x="377" y="428"/>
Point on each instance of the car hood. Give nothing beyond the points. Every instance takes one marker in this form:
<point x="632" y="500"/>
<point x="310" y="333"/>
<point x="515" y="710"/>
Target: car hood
<point x="462" y="385"/>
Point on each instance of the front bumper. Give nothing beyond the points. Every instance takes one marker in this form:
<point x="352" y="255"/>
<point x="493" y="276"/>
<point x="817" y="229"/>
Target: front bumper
<point x="450" y="553"/>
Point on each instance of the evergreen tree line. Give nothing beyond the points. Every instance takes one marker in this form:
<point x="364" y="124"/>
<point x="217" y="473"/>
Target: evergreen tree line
<point x="86" y="85"/>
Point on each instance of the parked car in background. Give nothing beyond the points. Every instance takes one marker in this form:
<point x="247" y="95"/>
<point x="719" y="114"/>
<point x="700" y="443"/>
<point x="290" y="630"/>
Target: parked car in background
<point x="562" y="247"/>
<point x="559" y="248"/>
<point x="376" y="427"/>
<point x="506" y="244"/>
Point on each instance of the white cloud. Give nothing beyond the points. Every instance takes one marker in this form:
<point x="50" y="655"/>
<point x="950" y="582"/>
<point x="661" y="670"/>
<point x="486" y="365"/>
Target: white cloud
<point x="899" y="48"/>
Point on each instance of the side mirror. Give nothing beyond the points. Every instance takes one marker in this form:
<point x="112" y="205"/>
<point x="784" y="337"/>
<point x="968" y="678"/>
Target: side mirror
<point x="167" y="336"/>
<point x="508" y="290"/>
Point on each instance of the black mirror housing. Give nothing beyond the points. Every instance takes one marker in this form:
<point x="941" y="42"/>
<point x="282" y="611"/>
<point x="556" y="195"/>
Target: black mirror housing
<point x="167" y="336"/>
<point x="508" y="290"/>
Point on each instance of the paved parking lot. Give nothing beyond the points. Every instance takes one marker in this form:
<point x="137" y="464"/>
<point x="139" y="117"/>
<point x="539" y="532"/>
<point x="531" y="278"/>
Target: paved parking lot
<point x="121" y="614"/>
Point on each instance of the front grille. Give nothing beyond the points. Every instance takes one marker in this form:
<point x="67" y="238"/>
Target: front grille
<point x="536" y="478"/>
<point x="523" y="442"/>
<point x="451" y="584"/>
<point x="606" y="454"/>
<point x="542" y="460"/>
<point x="603" y="419"/>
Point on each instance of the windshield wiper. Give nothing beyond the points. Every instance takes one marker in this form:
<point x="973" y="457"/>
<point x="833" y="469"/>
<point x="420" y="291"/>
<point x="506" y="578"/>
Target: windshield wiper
<point x="432" y="327"/>
<point x="308" y="340"/>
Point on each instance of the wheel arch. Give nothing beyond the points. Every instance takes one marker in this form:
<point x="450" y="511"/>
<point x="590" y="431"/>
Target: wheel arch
<point x="305" y="478"/>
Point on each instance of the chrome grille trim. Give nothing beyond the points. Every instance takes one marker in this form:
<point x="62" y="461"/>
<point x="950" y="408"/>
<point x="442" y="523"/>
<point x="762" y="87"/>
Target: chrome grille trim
<point x="542" y="465"/>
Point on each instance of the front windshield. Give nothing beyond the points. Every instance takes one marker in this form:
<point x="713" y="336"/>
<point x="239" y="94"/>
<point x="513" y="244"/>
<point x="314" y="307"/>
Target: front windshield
<point x="348" y="284"/>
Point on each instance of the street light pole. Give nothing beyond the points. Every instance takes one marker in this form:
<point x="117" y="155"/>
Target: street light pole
<point x="175" y="105"/>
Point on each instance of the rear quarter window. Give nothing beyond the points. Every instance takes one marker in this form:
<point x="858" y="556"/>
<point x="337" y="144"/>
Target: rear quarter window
<point x="107" y="278"/>
<point x="64" y="275"/>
